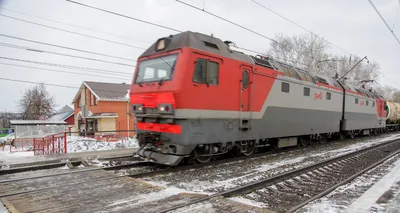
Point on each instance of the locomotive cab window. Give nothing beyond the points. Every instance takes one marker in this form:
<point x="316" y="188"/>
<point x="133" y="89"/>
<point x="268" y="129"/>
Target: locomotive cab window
<point x="373" y="104"/>
<point x="306" y="91"/>
<point x="156" y="69"/>
<point x="206" y="72"/>
<point x="285" y="87"/>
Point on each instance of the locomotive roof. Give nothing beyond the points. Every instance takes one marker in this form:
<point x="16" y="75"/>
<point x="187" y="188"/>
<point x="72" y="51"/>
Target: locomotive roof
<point x="215" y="45"/>
<point x="201" y="42"/>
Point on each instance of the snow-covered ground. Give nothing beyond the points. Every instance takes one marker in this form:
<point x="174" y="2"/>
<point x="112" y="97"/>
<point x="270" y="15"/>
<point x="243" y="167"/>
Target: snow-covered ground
<point x="361" y="194"/>
<point x="234" y="174"/>
<point x="74" y="144"/>
<point x="81" y="144"/>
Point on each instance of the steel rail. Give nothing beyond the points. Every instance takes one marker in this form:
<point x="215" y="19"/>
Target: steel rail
<point x="280" y="177"/>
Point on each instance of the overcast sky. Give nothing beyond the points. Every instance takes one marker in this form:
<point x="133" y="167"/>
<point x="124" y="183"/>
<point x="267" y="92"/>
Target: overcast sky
<point x="352" y="25"/>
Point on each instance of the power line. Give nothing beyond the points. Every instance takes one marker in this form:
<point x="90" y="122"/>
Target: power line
<point x="77" y="26"/>
<point x="61" y="54"/>
<point x="265" y="7"/>
<point x="54" y="85"/>
<point x="384" y="21"/>
<point x="64" y="47"/>
<point x="81" y="34"/>
<point x="125" y="16"/>
<point x="62" y="71"/>
<point x="165" y="27"/>
<point x="66" y="66"/>
<point x="224" y="19"/>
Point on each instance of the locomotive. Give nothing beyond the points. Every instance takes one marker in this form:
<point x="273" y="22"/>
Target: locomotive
<point x="195" y="98"/>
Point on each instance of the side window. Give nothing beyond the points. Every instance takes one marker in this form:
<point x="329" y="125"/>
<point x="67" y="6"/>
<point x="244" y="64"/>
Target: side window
<point x="306" y="91"/>
<point x="245" y="79"/>
<point x="356" y="100"/>
<point x="206" y="72"/>
<point x="328" y="96"/>
<point x="285" y="87"/>
<point x="373" y="104"/>
<point x="366" y="103"/>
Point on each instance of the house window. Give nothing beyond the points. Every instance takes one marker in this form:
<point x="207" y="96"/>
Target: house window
<point x="328" y="96"/>
<point x="306" y="91"/>
<point x="285" y="87"/>
<point x="206" y="72"/>
<point x="356" y="100"/>
<point x="92" y="100"/>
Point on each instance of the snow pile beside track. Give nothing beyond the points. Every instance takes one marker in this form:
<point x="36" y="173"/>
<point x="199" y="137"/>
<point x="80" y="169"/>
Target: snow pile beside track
<point x="82" y="144"/>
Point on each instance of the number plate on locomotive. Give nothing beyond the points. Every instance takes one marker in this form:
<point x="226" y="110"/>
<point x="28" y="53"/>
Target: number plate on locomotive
<point x="151" y="110"/>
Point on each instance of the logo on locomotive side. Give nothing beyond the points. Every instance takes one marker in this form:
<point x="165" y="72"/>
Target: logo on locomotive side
<point x="317" y="95"/>
<point x="361" y="103"/>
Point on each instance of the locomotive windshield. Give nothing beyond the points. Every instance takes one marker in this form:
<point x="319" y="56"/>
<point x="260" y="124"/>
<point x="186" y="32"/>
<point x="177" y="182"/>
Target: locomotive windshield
<point x="156" y="69"/>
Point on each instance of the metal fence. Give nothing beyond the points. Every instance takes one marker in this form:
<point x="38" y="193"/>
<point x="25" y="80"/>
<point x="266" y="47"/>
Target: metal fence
<point x="49" y="145"/>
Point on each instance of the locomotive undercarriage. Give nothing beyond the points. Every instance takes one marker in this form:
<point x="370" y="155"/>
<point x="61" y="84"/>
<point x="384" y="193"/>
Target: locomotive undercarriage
<point x="154" y="148"/>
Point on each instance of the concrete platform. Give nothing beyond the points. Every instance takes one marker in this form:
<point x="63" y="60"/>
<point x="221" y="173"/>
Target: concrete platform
<point x="18" y="161"/>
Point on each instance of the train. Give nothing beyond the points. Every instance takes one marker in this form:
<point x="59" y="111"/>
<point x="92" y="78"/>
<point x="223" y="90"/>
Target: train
<point x="195" y="98"/>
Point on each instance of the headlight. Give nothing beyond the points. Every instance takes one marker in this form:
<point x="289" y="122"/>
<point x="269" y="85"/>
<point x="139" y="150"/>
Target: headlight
<point x="137" y="108"/>
<point x="165" y="108"/>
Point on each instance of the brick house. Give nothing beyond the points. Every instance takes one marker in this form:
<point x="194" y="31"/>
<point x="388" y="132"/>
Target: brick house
<point x="103" y="107"/>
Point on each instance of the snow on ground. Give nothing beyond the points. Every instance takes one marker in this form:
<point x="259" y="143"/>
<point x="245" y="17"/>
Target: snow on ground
<point x="356" y="195"/>
<point x="206" y="186"/>
<point x="81" y="144"/>
<point x="74" y="144"/>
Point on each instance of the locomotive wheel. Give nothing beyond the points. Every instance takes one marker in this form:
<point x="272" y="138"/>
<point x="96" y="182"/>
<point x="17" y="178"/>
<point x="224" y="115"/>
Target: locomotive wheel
<point x="351" y="134"/>
<point x="304" y="141"/>
<point x="341" y="136"/>
<point x="323" y="139"/>
<point x="200" y="151"/>
<point x="248" y="148"/>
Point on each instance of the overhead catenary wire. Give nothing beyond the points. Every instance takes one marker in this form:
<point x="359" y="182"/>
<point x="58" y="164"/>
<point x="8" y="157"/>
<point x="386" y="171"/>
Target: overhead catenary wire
<point x="65" y="47"/>
<point x="165" y="27"/>
<point x="54" y="85"/>
<point x="66" y="66"/>
<point x="72" y="32"/>
<point x="309" y="31"/>
<point x="125" y="16"/>
<point x="73" y="25"/>
<point x="31" y="49"/>
<point x="384" y="21"/>
<point x="64" y="71"/>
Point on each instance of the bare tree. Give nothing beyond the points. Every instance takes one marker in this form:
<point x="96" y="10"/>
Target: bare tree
<point x="5" y="118"/>
<point x="386" y="91"/>
<point x="396" y="96"/>
<point x="36" y="103"/>
<point x="310" y="52"/>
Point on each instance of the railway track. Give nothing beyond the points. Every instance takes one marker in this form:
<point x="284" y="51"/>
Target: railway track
<point x="15" y="192"/>
<point x="292" y="190"/>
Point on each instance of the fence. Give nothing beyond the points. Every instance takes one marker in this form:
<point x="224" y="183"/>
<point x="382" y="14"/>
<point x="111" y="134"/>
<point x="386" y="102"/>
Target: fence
<point x="21" y="144"/>
<point x="54" y="144"/>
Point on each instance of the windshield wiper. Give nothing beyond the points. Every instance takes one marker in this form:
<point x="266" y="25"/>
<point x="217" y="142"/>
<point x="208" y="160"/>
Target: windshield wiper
<point x="161" y="80"/>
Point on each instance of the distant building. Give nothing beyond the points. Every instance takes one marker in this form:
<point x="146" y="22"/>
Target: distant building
<point x="103" y="107"/>
<point x="66" y="114"/>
